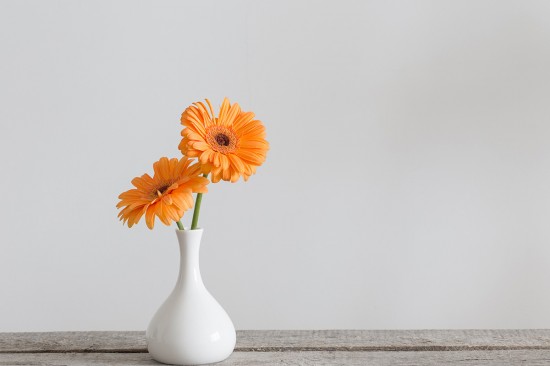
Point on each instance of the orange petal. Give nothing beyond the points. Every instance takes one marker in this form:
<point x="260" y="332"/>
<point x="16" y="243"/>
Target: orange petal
<point x="171" y="213"/>
<point x="161" y="168"/>
<point x="250" y="157"/>
<point x="224" y="109"/>
<point x="216" y="159"/>
<point x="216" y="175"/>
<point x="167" y="199"/>
<point x="253" y="144"/>
<point x="234" y="176"/>
<point x="231" y="115"/>
<point x="242" y="119"/>
<point x="207" y="121"/>
<point x="237" y="163"/>
<point x="205" y="156"/>
<point x="254" y="127"/>
<point x="211" y="109"/>
<point x="191" y="135"/>
<point x="161" y="214"/>
<point x="224" y="162"/>
<point x="193" y="153"/>
<point x="180" y="202"/>
<point x="135" y="217"/>
<point x="206" y="168"/>
<point x="200" y="145"/>
<point x="150" y="216"/>
<point x="226" y="174"/>
<point x="189" y="199"/>
<point x="183" y="146"/>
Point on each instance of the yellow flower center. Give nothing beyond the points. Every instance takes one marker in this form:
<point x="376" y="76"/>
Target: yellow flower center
<point x="221" y="139"/>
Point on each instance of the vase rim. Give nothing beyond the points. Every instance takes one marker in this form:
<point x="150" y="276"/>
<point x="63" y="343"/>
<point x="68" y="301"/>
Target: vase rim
<point x="188" y="230"/>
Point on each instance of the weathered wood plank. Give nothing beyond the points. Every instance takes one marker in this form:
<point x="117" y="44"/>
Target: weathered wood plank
<point x="392" y="340"/>
<point x="429" y="358"/>
<point x="292" y="340"/>
<point x="125" y="342"/>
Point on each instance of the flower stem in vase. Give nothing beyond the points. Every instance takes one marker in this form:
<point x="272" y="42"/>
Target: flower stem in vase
<point x="197" y="210"/>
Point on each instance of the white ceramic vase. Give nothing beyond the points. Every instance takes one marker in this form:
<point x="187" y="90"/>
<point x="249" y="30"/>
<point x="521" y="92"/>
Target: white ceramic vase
<point x="190" y="327"/>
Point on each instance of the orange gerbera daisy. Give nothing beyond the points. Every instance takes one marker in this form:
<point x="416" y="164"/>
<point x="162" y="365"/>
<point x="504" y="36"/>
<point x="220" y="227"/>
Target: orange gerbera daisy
<point x="167" y="195"/>
<point x="228" y="146"/>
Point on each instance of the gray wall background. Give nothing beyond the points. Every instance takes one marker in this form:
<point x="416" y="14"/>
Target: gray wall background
<point x="407" y="186"/>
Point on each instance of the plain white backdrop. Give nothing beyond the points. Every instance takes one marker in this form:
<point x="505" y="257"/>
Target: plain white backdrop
<point x="407" y="185"/>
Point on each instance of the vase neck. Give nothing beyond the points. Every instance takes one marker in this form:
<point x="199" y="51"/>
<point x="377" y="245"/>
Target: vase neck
<point x="189" y="243"/>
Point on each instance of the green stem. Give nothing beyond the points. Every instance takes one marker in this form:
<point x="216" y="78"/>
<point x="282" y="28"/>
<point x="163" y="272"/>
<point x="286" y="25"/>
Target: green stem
<point x="180" y="225"/>
<point x="197" y="210"/>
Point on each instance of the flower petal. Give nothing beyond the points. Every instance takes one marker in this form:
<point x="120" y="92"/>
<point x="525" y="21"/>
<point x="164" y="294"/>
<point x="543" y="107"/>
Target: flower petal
<point x="160" y="195"/>
<point x="150" y="216"/>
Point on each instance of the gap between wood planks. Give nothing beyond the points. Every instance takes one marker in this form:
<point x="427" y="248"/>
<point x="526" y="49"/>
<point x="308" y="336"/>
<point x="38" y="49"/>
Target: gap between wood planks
<point x="307" y="349"/>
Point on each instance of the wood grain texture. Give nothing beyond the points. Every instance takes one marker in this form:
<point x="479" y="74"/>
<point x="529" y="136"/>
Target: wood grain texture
<point x="392" y="340"/>
<point x="276" y="347"/>
<point x="125" y="342"/>
<point x="291" y="340"/>
<point x="317" y="358"/>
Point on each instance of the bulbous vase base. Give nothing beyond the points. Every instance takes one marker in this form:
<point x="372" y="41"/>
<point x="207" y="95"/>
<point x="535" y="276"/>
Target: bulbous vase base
<point x="191" y="327"/>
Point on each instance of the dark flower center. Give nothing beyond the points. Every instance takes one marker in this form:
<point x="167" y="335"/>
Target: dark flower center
<point x="163" y="188"/>
<point x="222" y="139"/>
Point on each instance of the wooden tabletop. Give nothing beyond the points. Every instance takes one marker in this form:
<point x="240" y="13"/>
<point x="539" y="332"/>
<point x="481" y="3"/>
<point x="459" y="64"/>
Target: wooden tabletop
<point x="295" y="347"/>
